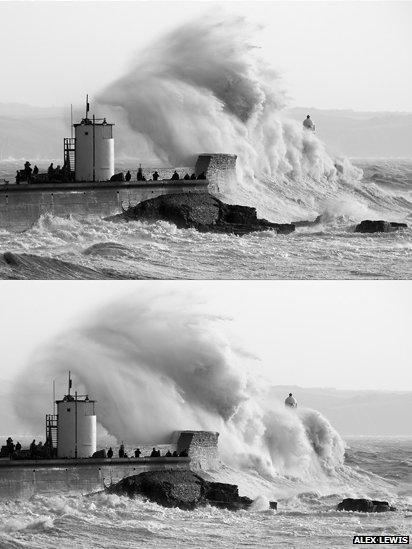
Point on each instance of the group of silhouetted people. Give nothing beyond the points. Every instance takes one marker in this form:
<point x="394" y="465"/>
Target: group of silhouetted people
<point x="57" y="173"/>
<point x="154" y="453"/>
<point x="176" y="176"/>
<point x="155" y="176"/>
<point x="35" y="451"/>
<point x="12" y="449"/>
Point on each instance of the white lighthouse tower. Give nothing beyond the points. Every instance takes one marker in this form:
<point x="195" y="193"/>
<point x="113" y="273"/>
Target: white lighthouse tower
<point x="94" y="149"/>
<point x="76" y="426"/>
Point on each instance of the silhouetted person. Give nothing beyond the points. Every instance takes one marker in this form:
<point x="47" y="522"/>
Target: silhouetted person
<point x="168" y="454"/>
<point x="10" y="446"/>
<point x="139" y="175"/>
<point x="110" y="453"/>
<point x="175" y="454"/>
<point x="153" y="453"/>
<point x="175" y="176"/>
<point x="128" y="176"/>
<point x="27" y="170"/>
<point x="33" y="449"/>
<point x="187" y="176"/>
<point x="121" y="451"/>
<point x="183" y="454"/>
<point x="193" y="176"/>
<point x="48" y="447"/>
<point x="290" y="401"/>
<point x="50" y="171"/>
<point x="202" y="176"/>
<point x="308" y="123"/>
<point x="35" y="170"/>
<point x="137" y="453"/>
<point x="155" y="176"/>
<point x="18" y="177"/>
<point x="18" y="447"/>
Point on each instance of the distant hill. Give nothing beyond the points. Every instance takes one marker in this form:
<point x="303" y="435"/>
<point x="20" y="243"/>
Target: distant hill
<point x="380" y="413"/>
<point x="37" y="132"/>
<point x="361" y="134"/>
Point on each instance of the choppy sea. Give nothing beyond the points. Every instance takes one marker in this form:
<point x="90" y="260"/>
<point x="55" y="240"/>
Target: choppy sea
<point x="94" y="248"/>
<point x="306" y="516"/>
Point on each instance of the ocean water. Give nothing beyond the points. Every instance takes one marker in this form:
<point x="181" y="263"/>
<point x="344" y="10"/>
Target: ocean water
<point x="94" y="248"/>
<point x="306" y="516"/>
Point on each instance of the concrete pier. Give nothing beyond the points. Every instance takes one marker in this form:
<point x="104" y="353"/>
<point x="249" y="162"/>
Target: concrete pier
<point x="24" y="478"/>
<point x="22" y="205"/>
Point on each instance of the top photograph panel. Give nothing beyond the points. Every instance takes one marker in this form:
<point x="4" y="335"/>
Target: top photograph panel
<point x="199" y="140"/>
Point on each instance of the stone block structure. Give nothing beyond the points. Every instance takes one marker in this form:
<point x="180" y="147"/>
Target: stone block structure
<point x="220" y="170"/>
<point x="202" y="447"/>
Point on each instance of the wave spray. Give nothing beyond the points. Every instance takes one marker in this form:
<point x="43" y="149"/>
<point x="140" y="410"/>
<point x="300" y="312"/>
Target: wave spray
<point x="205" y="88"/>
<point x="156" y="366"/>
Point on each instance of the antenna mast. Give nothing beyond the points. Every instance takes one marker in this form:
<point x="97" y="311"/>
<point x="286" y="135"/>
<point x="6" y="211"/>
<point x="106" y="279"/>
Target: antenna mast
<point x="54" y="397"/>
<point x="70" y="383"/>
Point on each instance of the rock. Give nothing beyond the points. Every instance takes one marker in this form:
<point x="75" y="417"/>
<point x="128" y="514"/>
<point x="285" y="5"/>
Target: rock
<point x="184" y="489"/>
<point x="368" y="226"/>
<point x="364" y="506"/>
<point x="203" y="212"/>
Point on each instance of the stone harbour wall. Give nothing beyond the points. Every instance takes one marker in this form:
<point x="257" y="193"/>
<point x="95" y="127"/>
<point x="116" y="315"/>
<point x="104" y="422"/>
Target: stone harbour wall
<point x="220" y="170"/>
<point x="202" y="447"/>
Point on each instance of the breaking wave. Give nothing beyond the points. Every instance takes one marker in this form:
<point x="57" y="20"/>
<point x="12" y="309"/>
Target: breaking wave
<point x="157" y="366"/>
<point x="220" y="95"/>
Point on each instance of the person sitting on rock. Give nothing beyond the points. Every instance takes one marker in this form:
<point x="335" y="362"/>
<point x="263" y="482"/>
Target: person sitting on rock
<point x="110" y="453"/>
<point x="168" y="454"/>
<point x="137" y="453"/>
<point x="18" y="177"/>
<point x="290" y="401"/>
<point x="175" y="176"/>
<point x="50" y="171"/>
<point x="175" y="454"/>
<point x="153" y="453"/>
<point x="202" y="176"/>
<point x="18" y="447"/>
<point x="193" y="176"/>
<point x="155" y="176"/>
<point x="187" y="176"/>
<point x="121" y="451"/>
<point x="35" y="170"/>
<point x="128" y="175"/>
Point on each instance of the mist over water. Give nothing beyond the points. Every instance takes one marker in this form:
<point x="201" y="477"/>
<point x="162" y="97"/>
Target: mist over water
<point x="156" y="365"/>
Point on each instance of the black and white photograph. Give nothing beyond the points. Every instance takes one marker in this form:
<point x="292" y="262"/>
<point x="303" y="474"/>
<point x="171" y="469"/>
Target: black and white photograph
<point x="183" y="414"/>
<point x="205" y="274"/>
<point x="187" y="140"/>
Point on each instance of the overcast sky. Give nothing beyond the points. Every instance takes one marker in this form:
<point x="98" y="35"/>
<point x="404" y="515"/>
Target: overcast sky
<point x="353" y="335"/>
<point x="333" y="54"/>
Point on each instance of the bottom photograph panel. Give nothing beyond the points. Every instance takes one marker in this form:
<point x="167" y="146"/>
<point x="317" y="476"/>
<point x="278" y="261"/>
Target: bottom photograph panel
<point x="203" y="414"/>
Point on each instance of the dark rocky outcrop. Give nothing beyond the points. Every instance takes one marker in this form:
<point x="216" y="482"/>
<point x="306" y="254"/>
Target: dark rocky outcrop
<point x="364" y="506"/>
<point x="368" y="226"/>
<point x="205" y="213"/>
<point x="182" y="489"/>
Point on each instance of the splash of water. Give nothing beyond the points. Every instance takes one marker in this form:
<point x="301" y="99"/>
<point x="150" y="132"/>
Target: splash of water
<point x="156" y="366"/>
<point x="205" y="87"/>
